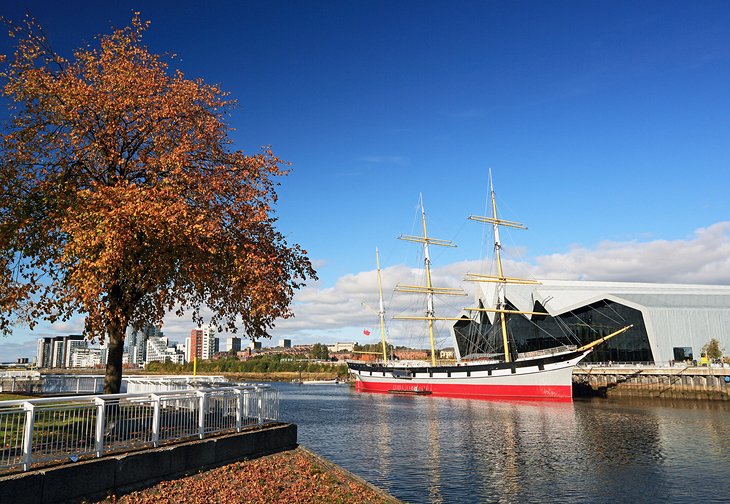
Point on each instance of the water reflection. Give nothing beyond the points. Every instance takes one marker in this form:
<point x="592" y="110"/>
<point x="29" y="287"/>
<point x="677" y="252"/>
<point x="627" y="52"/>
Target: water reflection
<point x="434" y="452"/>
<point x="384" y="442"/>
<point x="434" y="449"/>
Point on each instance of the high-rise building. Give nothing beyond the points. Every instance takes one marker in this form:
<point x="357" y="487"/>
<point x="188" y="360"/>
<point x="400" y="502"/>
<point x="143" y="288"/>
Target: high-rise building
<point x="58" y="353"/>
<point x="85" y="357"/>
<point x="284" y="343"/>
<point x="210" y="343"/>
<point x="234" y="344"/>
<point x="194" y="345"/>
<point x="202" y="344"/>
<point x="136" y="342"/>
<point x="71" y="347"/>
<point x="43" y="353"/>
<point x="55" y="352"/>
<point x="159" y="351"/>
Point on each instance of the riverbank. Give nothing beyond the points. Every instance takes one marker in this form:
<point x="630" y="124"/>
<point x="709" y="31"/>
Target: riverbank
<point x="297" y="475"/>
<point x="279" y="376"/>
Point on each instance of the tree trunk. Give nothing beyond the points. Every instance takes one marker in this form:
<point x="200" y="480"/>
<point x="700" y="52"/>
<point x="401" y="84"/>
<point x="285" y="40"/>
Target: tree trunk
<point x="115" y="349"/>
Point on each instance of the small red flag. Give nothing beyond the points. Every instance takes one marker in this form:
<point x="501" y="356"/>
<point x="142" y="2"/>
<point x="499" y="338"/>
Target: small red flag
<point x="366" y="332"/>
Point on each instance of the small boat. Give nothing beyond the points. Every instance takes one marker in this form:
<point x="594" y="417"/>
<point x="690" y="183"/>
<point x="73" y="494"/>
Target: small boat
<point x="540" y="374"/>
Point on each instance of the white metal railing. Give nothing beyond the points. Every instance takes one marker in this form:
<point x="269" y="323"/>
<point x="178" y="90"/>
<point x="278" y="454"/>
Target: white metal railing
<point x="63" y="383"/>
<point x="20" y="374"/>
<point x="47" y="430"/>
<point x="650" y="365"/>
<point x="19" y="380"/>
<point x="547" y="351"/>
<point x="73" y="384"/>
<point x="146" y="383"/>
<point x="645" y="364"/>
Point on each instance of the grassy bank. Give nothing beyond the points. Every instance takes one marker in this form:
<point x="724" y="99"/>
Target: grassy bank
<point x="14" y="397"/>
<point x="281" y="376"/>
<point x="267" y="367"/>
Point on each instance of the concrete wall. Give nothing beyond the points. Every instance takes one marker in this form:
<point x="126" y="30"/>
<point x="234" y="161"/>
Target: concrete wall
<point x="96" y="478"/>
<point x="672" y="382"/>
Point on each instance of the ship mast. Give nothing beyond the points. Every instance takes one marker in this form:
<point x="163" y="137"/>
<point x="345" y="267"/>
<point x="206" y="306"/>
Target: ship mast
<point x="428" y="289"/>
<point x="500" y="279"/>
<point x="501" y="304"/>
<point x="381" y="308"/>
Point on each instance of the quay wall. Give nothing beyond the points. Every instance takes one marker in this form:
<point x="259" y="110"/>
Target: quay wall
<point x="658" y="382"/>
<point x="96" y="478"/>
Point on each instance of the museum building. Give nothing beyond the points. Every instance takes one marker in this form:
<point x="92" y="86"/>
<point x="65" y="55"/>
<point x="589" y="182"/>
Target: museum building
<point x="671" y="322"/>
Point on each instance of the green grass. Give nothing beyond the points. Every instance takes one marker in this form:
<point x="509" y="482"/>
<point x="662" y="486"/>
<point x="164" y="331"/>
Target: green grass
<point x="14" y="397"/>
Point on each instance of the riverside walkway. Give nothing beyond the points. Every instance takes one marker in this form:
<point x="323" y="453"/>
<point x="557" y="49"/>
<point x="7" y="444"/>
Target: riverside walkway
<point x="57" y="429"/>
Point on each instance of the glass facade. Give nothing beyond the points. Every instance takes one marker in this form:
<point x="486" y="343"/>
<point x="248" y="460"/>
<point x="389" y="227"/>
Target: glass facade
<point x="578" y="327"/>
<point x="682" y="354"/>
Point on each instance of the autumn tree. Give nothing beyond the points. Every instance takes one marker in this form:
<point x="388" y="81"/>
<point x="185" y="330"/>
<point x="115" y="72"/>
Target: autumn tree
<point x="712" y="349"/>
<point x="122" y="199"/>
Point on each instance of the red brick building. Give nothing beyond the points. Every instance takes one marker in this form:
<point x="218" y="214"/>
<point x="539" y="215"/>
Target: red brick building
<point x="196" y="344"/>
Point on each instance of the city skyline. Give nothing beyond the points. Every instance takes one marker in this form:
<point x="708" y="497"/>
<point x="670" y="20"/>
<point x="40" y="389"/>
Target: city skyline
<point x="603" y="124"/>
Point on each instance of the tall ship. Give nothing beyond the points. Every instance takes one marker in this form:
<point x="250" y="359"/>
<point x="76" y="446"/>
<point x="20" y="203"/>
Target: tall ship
<point x="540" y="374"/>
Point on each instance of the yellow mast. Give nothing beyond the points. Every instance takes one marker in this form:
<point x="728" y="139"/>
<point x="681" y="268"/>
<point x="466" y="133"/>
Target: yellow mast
<point x="500" y="286"/>
<point x="381" y="311"/>
<point x="429" y="286"/>
<point x="500" y="279"/>
<point x="428" y="289"/>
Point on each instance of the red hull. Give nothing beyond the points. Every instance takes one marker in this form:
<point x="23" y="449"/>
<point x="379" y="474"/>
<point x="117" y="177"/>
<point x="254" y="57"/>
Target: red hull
<point x="474" y="391"/>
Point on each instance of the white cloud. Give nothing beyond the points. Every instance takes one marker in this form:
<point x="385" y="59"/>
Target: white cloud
<point x="703" y="259"/>
<point x="75" y="325"/>
<point x="337" y="313"/>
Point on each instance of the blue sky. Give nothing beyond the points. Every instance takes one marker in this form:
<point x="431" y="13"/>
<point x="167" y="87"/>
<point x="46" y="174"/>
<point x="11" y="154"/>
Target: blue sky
<point x="603" y="122"/>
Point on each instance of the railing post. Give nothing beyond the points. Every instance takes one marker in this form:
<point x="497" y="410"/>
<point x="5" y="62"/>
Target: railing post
<point x="100" y="418"/>
<point x="260" y="393"/>
<point x="274" y="406"/>
<point x="239" y="408"/>
<point x="28" y="435"/>
<point x="155" y="420"/>
<point x="201" y="418"/>
<point x="247" y="405"/>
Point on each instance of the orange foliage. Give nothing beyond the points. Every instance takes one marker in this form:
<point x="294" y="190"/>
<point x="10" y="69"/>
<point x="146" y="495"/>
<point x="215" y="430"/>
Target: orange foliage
<point x="121" y="198"/>
<point x="292" y="477"/>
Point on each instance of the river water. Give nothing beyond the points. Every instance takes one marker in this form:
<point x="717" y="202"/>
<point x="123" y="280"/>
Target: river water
<point x="435" y="449"/>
